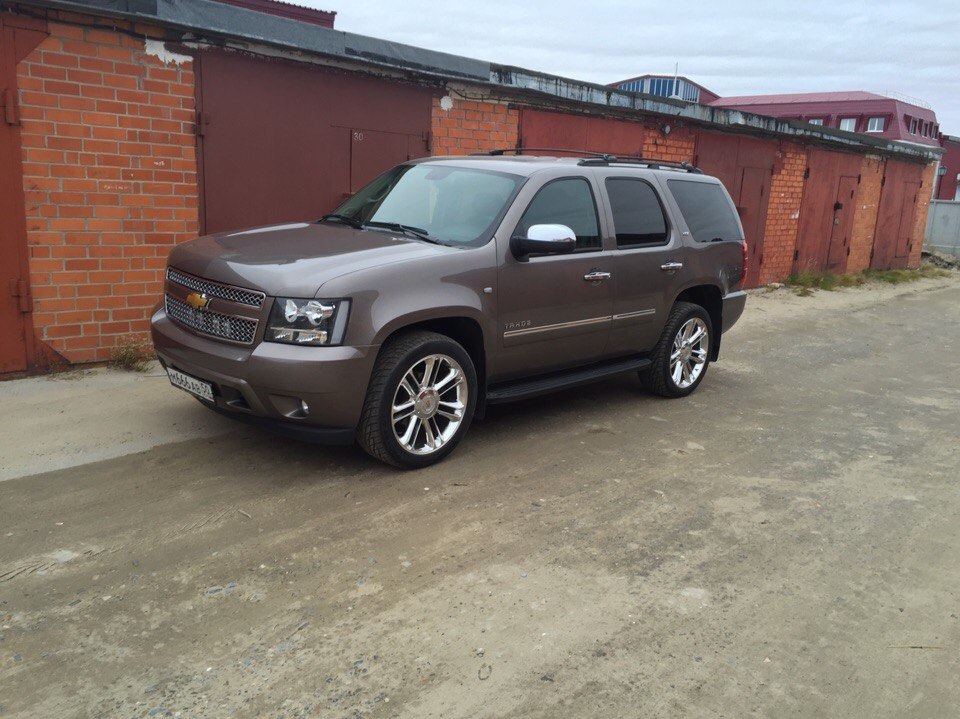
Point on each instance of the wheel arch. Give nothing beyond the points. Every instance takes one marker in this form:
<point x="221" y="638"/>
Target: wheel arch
<point x="462" y="329"/>
<point x="710" y="297"/>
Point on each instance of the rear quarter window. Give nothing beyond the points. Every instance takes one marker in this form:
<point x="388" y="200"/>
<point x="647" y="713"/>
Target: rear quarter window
<point x="706" y="208"/>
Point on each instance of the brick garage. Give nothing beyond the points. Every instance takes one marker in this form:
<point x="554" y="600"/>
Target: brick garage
<point x="112" y="177"/>
<point x="109" y="177"/>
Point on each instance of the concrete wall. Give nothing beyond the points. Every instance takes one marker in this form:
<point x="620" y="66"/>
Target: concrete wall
<point x="943" y="227"/>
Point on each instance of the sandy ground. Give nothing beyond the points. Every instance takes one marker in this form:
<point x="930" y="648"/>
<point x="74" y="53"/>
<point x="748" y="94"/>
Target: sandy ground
<point x="783" y="542"/>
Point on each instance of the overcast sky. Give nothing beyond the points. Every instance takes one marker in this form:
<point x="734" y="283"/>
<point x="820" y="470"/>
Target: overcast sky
<point x="733" y="47"/>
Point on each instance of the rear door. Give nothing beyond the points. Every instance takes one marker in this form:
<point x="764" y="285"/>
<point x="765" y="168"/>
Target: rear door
<point x="646" y="248"/>
<point x="555" y="309"/>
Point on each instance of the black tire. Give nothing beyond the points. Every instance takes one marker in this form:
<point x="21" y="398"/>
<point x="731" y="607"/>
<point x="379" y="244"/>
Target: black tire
<point x="375" y="432"/>
<point x="658" y="378"/>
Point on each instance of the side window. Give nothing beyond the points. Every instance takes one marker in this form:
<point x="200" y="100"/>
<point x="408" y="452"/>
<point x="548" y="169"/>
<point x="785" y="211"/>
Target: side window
<point x="637" y="216"/>
<point x="565" y="202"/>
<point x="706" y="209"/>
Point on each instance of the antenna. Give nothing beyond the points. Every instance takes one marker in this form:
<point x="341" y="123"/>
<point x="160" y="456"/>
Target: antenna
<point x="676" y="82"/>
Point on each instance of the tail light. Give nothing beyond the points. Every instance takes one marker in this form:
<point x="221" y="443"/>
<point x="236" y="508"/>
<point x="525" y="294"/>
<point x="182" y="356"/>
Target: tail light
<point x="743" y="267"/>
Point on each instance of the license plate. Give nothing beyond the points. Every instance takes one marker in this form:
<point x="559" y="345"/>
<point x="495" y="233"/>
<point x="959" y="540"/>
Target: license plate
<point x="203" y="390"/>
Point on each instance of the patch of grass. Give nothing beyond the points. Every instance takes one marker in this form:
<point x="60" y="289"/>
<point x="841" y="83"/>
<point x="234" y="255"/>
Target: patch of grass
<point x="806" y="281"/>
<point x="828" y="281"/>
<point x="131" y="356"/>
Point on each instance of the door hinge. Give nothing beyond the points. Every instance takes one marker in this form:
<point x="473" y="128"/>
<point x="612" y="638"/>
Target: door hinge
<point x="806" y="174"/>
<point x="202" y="121"/>
<point x="858" y="179"/>
<point x="796" y="255"/>
<point x="20" y="290"/>
<point x="760" y="261"/>
<point x="883" y="181"/>
<point x="10" y="111"/>
<point x="427" y="140"/>
<point x="848" y="252"/>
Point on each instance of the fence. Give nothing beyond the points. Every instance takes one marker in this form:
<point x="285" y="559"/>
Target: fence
<point x="943" y="227"/>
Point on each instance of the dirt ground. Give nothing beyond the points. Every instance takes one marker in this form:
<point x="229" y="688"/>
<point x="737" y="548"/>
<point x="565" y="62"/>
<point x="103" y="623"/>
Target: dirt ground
<point x="783" y="542"/>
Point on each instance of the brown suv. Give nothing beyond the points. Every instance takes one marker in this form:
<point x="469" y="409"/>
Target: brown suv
<point x="451" y="283"/>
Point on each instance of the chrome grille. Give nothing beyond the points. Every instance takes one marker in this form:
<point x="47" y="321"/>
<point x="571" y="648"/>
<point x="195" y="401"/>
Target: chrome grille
<point x="214" y="324"/>
<point x="215" y="289"/>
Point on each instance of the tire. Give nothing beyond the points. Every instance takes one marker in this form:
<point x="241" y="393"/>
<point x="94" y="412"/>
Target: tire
<point x="661" y="377"/>
<point x="409" y="420"/>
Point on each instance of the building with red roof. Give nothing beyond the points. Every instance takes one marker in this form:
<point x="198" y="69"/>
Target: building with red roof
<point x="892" y="118"/>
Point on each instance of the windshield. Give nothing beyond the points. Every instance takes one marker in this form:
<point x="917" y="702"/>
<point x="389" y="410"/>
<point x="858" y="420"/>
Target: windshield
<point x="451" y="205"/>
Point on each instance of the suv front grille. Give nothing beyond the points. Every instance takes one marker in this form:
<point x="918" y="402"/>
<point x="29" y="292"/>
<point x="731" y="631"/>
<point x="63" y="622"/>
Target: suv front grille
<point x="214" y="324"/>
<point x="215" y="289"/>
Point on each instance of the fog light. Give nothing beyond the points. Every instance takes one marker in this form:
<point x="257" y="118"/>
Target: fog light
<point x="304" y="407"/>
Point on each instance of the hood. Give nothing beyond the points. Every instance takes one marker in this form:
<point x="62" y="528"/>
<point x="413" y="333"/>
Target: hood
<point x="294" y="260"/>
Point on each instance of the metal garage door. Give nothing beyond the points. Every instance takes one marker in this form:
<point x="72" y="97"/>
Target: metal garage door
<point x="18" y="36"/>
<point x="826" y="211"/>
<point x="745" y="166"/>
<point x="893" y="237"/>
<point x="282" y="141"/>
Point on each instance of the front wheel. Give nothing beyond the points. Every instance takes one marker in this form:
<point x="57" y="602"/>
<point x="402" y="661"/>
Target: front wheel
<point x="681" y="357"/>
<point x="420" y="400"/>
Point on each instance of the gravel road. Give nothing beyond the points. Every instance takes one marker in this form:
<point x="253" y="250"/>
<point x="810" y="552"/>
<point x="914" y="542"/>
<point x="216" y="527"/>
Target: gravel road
<point x="783" y="542"/>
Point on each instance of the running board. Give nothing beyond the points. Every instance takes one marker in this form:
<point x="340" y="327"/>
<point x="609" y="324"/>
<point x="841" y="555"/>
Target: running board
<point x="526" y="388"/>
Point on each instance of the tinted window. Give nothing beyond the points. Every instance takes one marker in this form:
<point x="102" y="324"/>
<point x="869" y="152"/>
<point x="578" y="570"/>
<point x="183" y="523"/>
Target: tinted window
<point x="565" y="202"/>
<point x="637" y="215"/>
<point x="706" y="209"/>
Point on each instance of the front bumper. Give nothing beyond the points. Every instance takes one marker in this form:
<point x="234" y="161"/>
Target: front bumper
<point x="733" y="304"/>
<point x="266" y="383"/>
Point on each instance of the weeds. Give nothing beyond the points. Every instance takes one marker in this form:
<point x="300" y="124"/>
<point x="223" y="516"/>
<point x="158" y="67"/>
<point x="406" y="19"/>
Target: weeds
<point x="130" y="356"/>
<point x="803" y="283"/>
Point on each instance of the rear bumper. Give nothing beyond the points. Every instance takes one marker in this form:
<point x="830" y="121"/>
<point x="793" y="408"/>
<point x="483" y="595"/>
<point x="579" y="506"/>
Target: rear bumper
<point x="733" y="304"/>
<point x="266" y="384"/>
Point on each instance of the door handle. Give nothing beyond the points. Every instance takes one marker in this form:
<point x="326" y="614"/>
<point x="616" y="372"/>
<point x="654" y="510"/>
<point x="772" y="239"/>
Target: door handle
<point x="596" y="276"/>
<point x="671" y="266"/>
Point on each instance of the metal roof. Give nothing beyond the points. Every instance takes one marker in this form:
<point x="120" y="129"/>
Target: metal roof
<point x="208" y="20"/>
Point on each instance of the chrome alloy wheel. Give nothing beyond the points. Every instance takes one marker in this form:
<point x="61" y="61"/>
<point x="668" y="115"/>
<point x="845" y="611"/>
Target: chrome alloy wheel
<point x="689" y="355"/>
<point x="429" y="404"/>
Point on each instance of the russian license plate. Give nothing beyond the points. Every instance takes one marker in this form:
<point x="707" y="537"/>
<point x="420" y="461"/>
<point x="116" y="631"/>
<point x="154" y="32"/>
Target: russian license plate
<point x="203" y="390"/>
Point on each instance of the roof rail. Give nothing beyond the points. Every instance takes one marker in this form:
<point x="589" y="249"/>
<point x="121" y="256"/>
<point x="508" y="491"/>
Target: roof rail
<point x="650" y="163"/>
<point x="597" y="158"/>
<point x="521" y="150"/>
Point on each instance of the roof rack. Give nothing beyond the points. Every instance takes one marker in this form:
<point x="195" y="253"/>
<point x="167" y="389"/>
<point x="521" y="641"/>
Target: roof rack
<point x="650" y="163"/>
<point x="598" y="158"/>
<point x="521" y="150"/>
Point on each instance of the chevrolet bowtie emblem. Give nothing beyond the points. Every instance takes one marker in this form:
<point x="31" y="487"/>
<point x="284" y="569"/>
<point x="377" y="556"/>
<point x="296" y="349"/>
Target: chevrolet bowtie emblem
<point x="198" y="301"/>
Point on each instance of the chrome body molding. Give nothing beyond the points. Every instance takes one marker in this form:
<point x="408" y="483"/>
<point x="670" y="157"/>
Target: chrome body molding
<point x="576" y="323"/>
<point x="558" y="326"/>
<point x="638" y="313"/>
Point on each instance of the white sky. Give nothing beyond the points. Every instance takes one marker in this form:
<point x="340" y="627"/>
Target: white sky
<point x="733" y="47"/>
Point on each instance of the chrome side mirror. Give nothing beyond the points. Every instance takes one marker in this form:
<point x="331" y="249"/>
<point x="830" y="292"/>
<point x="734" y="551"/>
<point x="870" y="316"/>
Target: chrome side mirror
<point x="544" y="240"/>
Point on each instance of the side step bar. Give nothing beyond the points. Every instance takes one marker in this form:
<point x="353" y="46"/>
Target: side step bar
<point x="526" y="388"/>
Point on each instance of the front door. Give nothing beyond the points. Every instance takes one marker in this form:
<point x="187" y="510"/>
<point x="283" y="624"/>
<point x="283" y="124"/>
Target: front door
<point x="555" y="310"/>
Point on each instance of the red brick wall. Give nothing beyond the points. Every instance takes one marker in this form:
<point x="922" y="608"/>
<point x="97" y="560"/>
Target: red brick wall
<point x="865" y="214"/>
<point x="783" y="212"/>
<point x="471" y="126"/>
<point x="679" y="146"/>
<point x="110" y="179"/>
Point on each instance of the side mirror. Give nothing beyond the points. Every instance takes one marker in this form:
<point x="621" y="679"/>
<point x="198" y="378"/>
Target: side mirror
<point x="544" y="240"/>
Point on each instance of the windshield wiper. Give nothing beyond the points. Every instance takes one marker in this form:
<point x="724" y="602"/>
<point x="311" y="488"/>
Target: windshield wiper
<point x="346" y="219"/>
<point x="418" y="232"/>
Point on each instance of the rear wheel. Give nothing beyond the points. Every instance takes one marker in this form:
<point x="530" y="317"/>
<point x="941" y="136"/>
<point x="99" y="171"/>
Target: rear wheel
<point x="682" y="354"/>
<point x="420" y="401"/>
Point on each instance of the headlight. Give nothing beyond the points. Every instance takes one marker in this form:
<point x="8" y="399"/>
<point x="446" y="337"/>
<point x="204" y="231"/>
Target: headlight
<point x="307" y="322"/>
